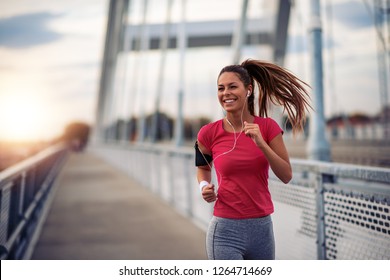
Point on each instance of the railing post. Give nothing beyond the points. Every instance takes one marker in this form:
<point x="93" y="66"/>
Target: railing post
<point x="190" y="199"/>
<point x="159" y="180"/>
<point x="321" y="233"/>
<point x="22" y="199"/>
<point x="172" y="177"/>
<point x="321" y="254"/>
<point x="5" y="197"/>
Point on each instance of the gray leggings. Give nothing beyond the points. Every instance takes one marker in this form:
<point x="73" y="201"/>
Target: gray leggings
<point x="240" y="239"/>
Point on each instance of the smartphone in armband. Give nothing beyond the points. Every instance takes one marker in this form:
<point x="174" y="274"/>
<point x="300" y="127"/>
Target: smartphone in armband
<point x="200" y="158"/>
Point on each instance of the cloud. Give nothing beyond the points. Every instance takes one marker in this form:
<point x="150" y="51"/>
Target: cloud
<point x="27" y="30"/>
<point x="299" y="43"/>
<point x="352" y="14"/>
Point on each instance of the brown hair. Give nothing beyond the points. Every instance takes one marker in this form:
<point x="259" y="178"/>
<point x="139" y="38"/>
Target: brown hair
<point x="277" y="86"/>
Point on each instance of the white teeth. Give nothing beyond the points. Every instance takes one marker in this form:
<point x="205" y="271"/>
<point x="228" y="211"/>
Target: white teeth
<point x="229" y="101"/>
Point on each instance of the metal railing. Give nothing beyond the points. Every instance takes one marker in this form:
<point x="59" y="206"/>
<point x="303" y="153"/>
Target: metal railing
<point x="328" y="210"/>
<point x="24" y="190"/>
<point x="335" y="211"/>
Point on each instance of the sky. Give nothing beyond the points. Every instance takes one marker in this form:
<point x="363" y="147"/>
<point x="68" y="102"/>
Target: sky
<point x="50" y="65"/>
<point x="51" y="54"/>
<point x="350" y="62"/>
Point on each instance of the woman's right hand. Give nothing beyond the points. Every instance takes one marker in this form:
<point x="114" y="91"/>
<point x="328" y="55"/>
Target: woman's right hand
<point x="208" y="193"/>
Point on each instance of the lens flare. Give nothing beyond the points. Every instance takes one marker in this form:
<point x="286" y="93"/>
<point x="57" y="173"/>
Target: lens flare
<point x="21" y="117"/>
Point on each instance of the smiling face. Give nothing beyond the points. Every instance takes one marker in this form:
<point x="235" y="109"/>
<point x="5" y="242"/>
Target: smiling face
<point x="232" y="93"/>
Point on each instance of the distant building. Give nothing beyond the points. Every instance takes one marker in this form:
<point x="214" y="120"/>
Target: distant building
<point x="359" y="126"/>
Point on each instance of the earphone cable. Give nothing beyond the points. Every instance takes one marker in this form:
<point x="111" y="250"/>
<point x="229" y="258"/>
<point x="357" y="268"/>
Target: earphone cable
<point x="234" y="144"/>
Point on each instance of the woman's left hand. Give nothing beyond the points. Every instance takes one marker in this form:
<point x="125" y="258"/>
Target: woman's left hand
<point x="253" y="131"/>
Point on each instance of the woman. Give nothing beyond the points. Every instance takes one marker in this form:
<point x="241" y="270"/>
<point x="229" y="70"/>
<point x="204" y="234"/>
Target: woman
<point x="242" y="147"/>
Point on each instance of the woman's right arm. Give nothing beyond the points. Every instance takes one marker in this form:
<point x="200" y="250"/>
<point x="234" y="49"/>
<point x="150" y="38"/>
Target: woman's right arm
<point x="204" y="174"/>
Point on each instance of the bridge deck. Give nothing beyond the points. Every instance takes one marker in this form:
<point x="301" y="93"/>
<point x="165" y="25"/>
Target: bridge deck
<point x="99" y="213"/>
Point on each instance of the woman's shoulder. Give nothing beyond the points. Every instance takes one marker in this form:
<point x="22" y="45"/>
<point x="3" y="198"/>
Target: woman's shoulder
<point x="211" y="125"/>
<point x="264" y="120"/>
<point x="269" y="127"/>
<point x="267" y="123"/>
<point x="209" y="129"/>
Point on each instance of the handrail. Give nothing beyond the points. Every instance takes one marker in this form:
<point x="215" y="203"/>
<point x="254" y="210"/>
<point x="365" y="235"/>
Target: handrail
<point x="24" y="189"/>
<point x="377" y="174"/>
<point x="14" y="170"/>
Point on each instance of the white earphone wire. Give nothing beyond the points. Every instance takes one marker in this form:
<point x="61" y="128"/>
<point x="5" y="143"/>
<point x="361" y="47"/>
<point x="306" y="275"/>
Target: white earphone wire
<point x="234" y="143"/>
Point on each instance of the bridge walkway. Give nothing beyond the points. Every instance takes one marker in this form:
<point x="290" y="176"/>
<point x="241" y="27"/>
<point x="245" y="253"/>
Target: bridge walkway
<point x="99" y="213"/>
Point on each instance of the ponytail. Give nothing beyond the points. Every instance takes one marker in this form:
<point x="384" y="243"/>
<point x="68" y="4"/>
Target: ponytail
<point x="277" y="86"/>
<point x="280" y="87"/>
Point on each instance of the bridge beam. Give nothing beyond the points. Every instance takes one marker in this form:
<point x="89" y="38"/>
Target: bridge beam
<point x="118" y="10"/>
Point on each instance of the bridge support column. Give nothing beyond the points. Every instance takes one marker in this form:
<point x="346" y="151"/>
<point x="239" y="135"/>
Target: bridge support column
<point x="318" y="146"/>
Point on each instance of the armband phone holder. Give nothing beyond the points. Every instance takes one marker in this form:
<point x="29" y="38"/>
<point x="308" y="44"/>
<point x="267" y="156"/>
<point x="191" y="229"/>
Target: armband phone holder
<point x="200" y="158"/>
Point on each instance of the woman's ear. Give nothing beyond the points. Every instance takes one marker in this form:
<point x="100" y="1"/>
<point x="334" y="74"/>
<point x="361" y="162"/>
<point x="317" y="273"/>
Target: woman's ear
<point x="250" y="91"/>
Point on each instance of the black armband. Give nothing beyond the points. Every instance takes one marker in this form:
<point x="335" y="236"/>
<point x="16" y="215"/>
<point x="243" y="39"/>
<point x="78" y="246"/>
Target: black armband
<point x="200" y="158"/>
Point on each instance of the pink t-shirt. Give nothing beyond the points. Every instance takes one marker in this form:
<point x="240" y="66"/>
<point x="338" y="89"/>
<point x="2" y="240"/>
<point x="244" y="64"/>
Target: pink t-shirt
<point x="242" y="174"/>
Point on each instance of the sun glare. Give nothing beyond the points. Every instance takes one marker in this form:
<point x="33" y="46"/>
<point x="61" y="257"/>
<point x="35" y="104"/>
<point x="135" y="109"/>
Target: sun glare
<point x="21" y="117"/>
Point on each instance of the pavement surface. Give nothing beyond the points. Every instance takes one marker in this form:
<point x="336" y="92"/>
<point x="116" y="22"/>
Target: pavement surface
<point x="99" y="213"/>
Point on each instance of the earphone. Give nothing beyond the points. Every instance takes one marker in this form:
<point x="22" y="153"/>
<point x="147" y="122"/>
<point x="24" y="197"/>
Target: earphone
<point x="249" y="93"/>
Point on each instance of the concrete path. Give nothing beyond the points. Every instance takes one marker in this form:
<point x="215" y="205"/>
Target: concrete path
<point x="98" y="213"/>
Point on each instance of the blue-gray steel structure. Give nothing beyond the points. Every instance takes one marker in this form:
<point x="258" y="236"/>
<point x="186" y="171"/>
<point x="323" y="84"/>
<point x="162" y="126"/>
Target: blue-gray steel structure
<point x="167" y="36"/>
<point x="318" y="145"/>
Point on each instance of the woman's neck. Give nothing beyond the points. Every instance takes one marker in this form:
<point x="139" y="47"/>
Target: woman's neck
<point x="237" y="120"/>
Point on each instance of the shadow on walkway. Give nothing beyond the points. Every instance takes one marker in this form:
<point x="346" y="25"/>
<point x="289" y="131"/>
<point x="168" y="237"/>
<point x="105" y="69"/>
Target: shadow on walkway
<point x="99" y="213"/>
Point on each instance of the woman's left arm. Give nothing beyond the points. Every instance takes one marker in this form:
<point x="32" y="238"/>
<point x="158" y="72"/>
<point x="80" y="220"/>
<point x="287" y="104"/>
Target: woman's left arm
<point x="278" y="158"/>
<point x="275" y="152"/>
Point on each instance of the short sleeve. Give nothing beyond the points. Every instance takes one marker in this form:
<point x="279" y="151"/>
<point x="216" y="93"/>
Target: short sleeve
<point x="204" y="137"/>
<point x="272" y="129"/>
